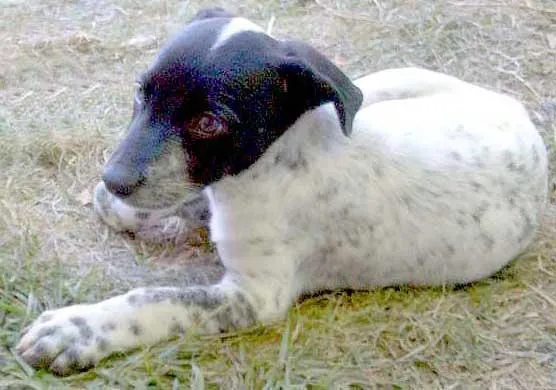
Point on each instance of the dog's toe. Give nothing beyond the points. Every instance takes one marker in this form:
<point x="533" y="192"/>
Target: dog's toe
<point x="63" y="340"/>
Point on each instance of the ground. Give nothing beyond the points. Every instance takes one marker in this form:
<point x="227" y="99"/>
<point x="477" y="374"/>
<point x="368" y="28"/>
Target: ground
<point x="67" y="74"/>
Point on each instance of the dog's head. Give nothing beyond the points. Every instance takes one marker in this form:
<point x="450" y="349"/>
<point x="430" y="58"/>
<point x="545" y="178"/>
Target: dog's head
<point x="215" y="98"/>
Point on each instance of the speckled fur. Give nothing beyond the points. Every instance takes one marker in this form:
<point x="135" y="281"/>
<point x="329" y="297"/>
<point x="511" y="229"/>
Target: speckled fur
<point x="447" y="192"/>
<point x="441" y="182"/>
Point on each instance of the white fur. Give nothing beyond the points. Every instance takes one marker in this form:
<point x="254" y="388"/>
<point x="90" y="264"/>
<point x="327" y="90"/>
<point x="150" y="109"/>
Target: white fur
<point x="236" y="26"/>
<point x="404" y="83"/>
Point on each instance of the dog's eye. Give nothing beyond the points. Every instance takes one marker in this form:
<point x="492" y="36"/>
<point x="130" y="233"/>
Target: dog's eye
<point x="208" y="126"/>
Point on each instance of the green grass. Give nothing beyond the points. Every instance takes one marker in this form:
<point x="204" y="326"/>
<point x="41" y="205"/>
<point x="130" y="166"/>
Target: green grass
<point x="390" y="337"/>
<point x="66" y="83"/>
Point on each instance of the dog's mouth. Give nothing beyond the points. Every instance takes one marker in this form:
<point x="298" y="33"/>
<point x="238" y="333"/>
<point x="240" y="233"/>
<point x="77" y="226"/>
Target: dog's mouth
<point x="154" y="199"/>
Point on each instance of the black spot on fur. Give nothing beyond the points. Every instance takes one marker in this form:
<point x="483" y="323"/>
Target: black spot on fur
<point x="476" y="186"/>
<point x="49" y="330"/>
<point x="514" y="167"/>
<point x="255" y="241"/>
<point x="135" y="328"/>
<point x="102" y="343"/>
<point x="455" y="156"/>
<point x="202" y="297"/>
<point x="508" y="158"/>
<point x="378" y="170"/>
<point x="329" y="193"/>
<point x="85" y="330"/>
<point x="479" y="212"/>
<point x="353" y="240"/>
<point x="133" y="299"/>
<point x="240" y="297"/>
<point x="407" y="200"/>
<point x="345" y="211"/>
<point x="297" y="164"/>
<point x="293" y="162"/>
<point x="268" y="252"/>
<point x="488" y="241"/>
<point x="528" y="225"/>
<point x="236" y="313"/>
<point x="108" y="327"/>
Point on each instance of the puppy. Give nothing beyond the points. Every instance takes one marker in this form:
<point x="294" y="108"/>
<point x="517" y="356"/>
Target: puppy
<point x="313" y="182"/>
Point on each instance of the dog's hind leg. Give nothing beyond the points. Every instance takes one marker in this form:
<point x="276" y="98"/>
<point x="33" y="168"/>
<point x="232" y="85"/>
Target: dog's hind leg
<point x="77" y="337"/>
<point x="405" y="83"/>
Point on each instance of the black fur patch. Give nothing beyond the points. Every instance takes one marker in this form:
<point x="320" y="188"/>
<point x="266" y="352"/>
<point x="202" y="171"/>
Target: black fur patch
<point x="85" y="330"/>
<point x="256" y="86"/>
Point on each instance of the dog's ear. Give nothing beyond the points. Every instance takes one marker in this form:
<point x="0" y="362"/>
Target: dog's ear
<point x="311" y="79"/>
<point x="209" y="13"/>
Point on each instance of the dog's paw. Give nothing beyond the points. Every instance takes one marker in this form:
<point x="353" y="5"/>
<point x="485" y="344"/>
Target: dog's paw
<point x="113" y="212"/>
<point x="124" y="218"/>
<point x="68" y="339"/>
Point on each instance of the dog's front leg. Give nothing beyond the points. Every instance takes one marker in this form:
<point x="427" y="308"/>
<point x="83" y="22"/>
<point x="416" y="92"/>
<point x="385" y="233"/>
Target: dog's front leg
<point x="77" y="337"/>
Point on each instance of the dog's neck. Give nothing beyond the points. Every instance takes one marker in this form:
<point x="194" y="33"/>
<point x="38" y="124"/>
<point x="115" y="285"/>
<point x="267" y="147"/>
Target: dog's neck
<point x="287" y="162"/>
<point x="315" y="131"/>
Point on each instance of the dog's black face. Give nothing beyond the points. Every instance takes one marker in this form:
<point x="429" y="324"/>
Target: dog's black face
<point x="219" y="94"/>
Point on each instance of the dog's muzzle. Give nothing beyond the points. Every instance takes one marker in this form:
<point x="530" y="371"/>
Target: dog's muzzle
<point x="121" y="181"/>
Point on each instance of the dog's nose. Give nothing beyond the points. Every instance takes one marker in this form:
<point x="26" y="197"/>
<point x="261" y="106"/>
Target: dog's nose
<point x="121" y="181"/>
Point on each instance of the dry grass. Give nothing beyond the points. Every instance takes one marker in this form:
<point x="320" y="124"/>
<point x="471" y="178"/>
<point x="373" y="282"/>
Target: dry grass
<point x="66" y="77"/>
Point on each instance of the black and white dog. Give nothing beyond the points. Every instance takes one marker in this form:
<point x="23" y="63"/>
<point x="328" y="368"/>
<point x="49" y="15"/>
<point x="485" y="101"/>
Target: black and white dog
<point x="405" y="176"/>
